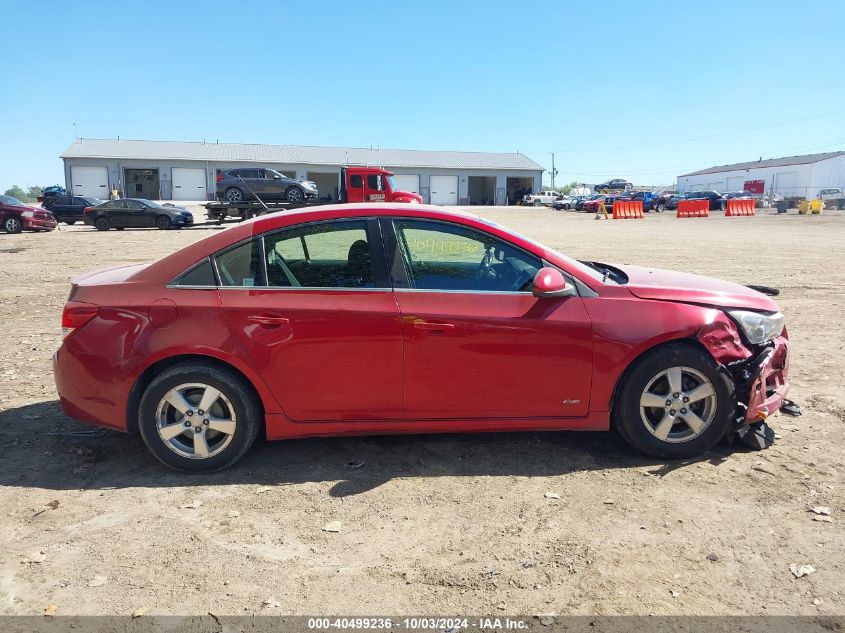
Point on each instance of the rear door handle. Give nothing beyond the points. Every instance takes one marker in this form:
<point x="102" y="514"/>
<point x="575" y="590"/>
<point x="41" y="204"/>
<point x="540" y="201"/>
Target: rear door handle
<point x="438" y="328"/>
<point x="268" y="320"/>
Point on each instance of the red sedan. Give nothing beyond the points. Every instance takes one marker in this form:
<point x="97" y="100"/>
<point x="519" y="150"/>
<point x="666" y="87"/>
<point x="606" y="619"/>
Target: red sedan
<point x="357" y="319"/>
<point x="15" y="217"/>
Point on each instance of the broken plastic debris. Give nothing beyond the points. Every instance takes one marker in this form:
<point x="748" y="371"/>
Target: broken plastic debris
<point x="823" y="510"/>
<point x="757" y="436"/>
<point x="791" y="408"/>
<point x="551" y="495"/>
<point x="802" y="570"/>
<point x="97" y="581"/>
<point x="332" y="526"/>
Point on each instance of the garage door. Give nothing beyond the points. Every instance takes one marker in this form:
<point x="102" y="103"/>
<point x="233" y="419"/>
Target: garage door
<point x="786" y="183"/>
<point x="444" y="189"/>
<point x="90" y="181"/>
<point x="717" y="185"/>
<point x="189" y="184"/>
<point x="407" y="183"/>
<point x="736" y="183"/>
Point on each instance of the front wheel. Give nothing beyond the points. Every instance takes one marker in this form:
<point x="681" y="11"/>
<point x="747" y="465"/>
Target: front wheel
<point x="70" y="222"/>
<point x="12" y="225"/>
<point x="294" y="195"/>
<point x="163" y="222"/>
<point x="199" y="418"/>
<point x="674" y="403"/>
<point x="661" y="207"/>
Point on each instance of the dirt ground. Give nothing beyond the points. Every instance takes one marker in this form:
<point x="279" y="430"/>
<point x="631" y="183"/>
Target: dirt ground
<point x="92" y="524"/>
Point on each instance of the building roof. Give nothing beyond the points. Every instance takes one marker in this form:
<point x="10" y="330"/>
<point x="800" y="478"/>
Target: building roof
<point x="295" y="154"/>
<point x="769" y="162"/>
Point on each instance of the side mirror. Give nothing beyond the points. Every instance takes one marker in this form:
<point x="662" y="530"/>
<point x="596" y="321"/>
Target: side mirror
<point x="550" y="283"/>
<point x="277" y="177"/>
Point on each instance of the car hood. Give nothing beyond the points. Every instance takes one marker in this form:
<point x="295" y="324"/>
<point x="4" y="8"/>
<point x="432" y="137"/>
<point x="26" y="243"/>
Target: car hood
<point x="670" y="285"/>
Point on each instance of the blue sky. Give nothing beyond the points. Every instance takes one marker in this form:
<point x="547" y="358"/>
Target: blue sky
<point x="642" y="90"/>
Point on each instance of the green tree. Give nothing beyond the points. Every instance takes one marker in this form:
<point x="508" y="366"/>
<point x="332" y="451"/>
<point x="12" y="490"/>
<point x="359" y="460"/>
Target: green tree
<point x="33" y="192"/>
<point x="16" y="192"/>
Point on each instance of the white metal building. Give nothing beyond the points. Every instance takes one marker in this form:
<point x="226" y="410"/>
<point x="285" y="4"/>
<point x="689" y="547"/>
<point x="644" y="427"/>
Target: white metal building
<point x="174" y="170"/>
<point x="790" y="176"/>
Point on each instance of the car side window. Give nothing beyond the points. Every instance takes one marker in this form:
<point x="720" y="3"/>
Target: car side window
<point x="240" y="266"/>
<point x="325" y="255"/>
<point x="356" y="181"/>
<point x="441" y="256"/>
<point x="374" y="182"/>
<point x="201" y="275"/>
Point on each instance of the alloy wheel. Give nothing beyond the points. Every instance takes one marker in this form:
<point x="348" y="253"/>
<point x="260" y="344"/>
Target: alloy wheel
<point x="234" y="195"/>
<point x="294" y="194"/>
<point x="678" y="404"/>
<point x="196" y="420"/>
<point x="13" y="225"/>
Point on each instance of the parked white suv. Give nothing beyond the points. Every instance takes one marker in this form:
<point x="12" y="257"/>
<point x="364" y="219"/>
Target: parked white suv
<point x="544" y="198"/>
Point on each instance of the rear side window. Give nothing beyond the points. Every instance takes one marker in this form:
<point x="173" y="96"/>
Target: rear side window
<point x="326" y="255"/>
<point x="200" y="275"/>
<point x="240" y="266"/>
<point x="356" y="181"/>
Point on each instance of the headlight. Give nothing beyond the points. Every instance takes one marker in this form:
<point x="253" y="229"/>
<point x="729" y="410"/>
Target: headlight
<point x="28" y="214"/>
<point x="758" y="327"/>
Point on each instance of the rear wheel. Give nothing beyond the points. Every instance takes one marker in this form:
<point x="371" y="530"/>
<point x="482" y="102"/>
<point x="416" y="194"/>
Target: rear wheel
<point x="537" y="203"/>
<point x="12" y="225"/>
<point x="233" y="194"/>
<point x="102" y="224"/>
<point x="661" y="207"/>
<point x="199" y="418"/>
<point x="164" y="222"/>
<point x="674" y="403"/>
<point x="70" y="222"/>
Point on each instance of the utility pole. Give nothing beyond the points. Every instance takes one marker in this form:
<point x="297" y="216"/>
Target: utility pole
<point x="553" y="172"/>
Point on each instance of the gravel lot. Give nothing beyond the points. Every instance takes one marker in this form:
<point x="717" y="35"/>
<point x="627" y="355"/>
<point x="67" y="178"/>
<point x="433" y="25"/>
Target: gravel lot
<point x="92" y="524"/>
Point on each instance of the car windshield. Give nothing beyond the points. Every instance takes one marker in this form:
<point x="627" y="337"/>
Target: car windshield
<point x="9" y="201"/>
<point x="392" y="183"/>
<point x="591" y="272"/>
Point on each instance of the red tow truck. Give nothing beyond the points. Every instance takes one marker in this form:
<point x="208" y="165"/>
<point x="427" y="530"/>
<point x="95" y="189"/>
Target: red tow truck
<point x="357" y="184"/>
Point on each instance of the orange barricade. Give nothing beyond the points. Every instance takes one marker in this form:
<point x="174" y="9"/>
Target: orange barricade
<point x="740" y="207"/>
<point x="693" y="209"/>
<point x="628" y="210"/>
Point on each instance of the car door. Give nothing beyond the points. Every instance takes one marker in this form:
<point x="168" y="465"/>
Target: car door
<point x="138" y="215"/>
<point x="313" y="307"/>
<point x="477" y="343"/>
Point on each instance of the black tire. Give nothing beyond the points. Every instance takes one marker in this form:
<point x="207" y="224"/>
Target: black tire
<point x="294" y="195"/>
<point x="537" y="203"/>
<point x="246" y="404"/>
<point x="661" y="207"/>
<point x="164" y="222"/>
<point x="628" y="417"/>
<point x="13" y="224"/>
<point x="233" y="194"/>
<point x="102" y="224"/>
<point x="70" y="222"/>
<point x="119" y="228"/>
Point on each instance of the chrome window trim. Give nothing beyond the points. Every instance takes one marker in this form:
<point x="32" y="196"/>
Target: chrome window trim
<point x="307" y="288"/>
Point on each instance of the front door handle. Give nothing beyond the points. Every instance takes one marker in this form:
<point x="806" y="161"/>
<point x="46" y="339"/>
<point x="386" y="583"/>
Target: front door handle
<point x="434" y="328"/>
<point x="268" y="320"/>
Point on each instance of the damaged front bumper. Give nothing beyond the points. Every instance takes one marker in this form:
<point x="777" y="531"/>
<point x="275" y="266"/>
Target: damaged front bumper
<point x="759" y="373"/>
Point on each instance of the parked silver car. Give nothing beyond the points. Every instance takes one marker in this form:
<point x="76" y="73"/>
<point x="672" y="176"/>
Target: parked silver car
<point x="242" y="184"/>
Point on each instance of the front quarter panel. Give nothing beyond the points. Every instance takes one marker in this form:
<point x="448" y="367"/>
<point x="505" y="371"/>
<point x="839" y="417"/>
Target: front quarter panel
<point x="624" y="327"/>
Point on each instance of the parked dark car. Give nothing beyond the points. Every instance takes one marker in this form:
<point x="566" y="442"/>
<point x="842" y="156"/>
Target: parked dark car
<point x="15" y="216"/>
<point x="715" y="198"/>
<point x="671" y="203"/>
<point x="662" y="197"/>
<point x="617" y="184"/>
<point x="69" y="209"/>
<point x="136" y="213"/>
<point x="238" y="185"/>
<point x="53" y="191"/>
<point x="737" y="195"/>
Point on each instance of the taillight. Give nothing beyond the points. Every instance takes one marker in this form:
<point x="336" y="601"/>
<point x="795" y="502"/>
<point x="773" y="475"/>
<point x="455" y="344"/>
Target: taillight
<point x="87" y="209"/>
<point x="75" y="315"/>
<point x="220" y="176"/>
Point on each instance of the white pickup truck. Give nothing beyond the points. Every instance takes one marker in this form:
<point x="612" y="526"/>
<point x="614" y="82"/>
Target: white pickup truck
<point x="832" y="197"/>
<point x="544" y="198"/>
